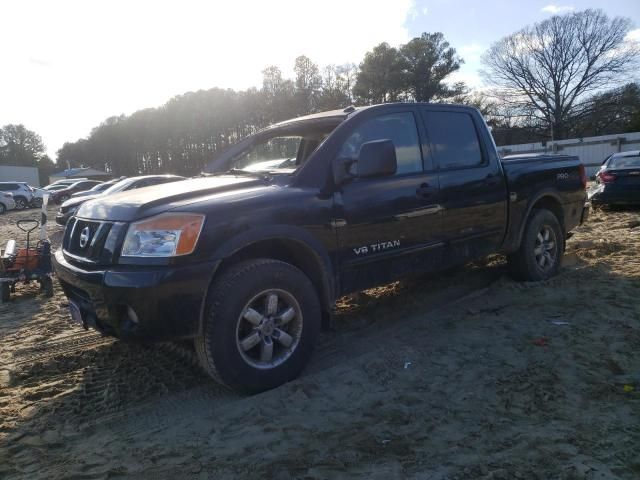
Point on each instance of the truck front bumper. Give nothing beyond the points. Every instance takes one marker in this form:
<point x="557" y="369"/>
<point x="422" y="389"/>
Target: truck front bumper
<point x="150" y="303"/>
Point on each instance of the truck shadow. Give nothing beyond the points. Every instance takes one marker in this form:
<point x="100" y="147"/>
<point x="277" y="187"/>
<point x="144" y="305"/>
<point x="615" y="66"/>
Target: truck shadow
<point x="85" y="378"/>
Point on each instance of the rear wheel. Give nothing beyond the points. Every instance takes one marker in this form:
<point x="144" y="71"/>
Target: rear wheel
<point x="541" y="249"/>
<point x="260" y="327"/>
<point x="2" y="208"/>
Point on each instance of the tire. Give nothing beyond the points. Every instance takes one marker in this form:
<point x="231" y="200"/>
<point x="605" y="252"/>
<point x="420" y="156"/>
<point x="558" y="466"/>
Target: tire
<point x="63" y="199"/>
<point x="231" y="345"/>
<point x="5" y="292"/>
<point x="2" y="208"/>
<point x="36" y="203"/>
<point x="21" y="203"/>
<point x="541" y="249"/>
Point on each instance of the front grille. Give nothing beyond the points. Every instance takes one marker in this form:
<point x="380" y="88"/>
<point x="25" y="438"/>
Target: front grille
<point x="91" y="241"/>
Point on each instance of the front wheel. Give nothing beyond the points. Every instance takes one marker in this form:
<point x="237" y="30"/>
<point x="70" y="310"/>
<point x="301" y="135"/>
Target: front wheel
<point x="21" y="203"/>
<point x="260" y="327"/>
<point x="541" y="248"/>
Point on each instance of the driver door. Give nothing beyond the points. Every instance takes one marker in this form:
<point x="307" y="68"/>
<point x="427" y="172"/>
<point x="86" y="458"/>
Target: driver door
<point x="388" y="226"/>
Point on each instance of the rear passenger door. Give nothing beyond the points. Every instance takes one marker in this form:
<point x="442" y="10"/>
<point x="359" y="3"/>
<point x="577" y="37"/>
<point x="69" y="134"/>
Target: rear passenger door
<point x="473" y="192"/>
<point x="387" y="226"/>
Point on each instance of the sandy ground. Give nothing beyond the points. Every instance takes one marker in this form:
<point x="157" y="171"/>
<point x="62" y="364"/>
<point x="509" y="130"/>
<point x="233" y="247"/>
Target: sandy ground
<point x="469" y="375"/>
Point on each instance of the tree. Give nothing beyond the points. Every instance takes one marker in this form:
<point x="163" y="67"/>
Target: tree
<point x="46" y="168"/>
<point x="336" y="92"/>
<point x="549" y="70"/>
<point x="307" y="82"/>
<point x="611" y="111"/>
<point x="426" y="61"/>
<point x="20" y="146"/>
<point x="380" y="77"/>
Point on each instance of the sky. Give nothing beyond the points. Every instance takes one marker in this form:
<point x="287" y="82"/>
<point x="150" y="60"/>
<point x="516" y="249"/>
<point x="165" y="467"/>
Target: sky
<point x="67" y="65"/>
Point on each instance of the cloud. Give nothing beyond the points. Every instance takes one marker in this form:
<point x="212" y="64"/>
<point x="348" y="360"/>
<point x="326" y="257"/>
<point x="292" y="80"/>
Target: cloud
<point x="633" y="35"/>
<point x="554" y="9"/>
<point x="468" y="73"/>
<point x="39" y="62"/>
<point x="415" y="12"/>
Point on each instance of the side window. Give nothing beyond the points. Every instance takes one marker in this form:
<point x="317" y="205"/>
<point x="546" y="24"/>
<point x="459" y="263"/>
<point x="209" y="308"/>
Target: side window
<point x="10" y="186"/>
<point x="397" y="127"/>
<point x="454" y="140"/>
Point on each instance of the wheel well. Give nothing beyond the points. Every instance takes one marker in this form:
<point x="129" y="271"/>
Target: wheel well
<point x="551" y="204"/>
<point x="295" y="253"/>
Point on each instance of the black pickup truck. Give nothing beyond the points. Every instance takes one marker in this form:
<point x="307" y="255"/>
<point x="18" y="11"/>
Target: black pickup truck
<point x="248" y="260"/>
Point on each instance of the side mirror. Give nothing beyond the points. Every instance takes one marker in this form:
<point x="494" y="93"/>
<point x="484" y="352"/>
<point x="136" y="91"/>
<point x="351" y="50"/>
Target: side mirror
<point x="375" y="159"/>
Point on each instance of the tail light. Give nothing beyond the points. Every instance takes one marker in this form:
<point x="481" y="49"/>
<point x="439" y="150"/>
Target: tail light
<point x="606" y="177"/>
<point x="583" y="176"/>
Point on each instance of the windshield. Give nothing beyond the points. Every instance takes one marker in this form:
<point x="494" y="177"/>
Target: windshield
<point x="120" y="186"/>
<point x="625" y="162"/>
<point x="101" y="186"/>
<point x="280" y="150"/>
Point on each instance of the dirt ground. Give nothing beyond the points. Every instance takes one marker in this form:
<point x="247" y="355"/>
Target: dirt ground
<point x="469" y="375"/>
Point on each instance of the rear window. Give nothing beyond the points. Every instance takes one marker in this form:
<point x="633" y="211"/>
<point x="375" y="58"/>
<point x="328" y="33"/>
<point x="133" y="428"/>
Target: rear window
<point x="625" y="162"/>
<point x="454" y="140"/>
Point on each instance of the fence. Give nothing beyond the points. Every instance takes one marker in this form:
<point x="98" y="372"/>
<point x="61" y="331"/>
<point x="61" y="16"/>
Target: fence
<point x="591" y="150"/>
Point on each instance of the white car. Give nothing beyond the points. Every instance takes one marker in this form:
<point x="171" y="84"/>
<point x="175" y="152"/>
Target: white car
<point x="22" y="193"/>
<point x="6" y="202"/>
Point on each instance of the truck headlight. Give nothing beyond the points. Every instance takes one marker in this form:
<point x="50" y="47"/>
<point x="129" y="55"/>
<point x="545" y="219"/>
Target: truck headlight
<point x="166" y="235"/>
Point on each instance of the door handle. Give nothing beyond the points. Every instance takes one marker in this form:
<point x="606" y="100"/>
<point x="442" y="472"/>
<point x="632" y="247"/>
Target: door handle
<point x="425" y="191"/>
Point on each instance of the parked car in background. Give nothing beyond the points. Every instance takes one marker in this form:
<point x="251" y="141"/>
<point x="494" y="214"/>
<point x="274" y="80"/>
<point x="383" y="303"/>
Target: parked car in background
<point x="101" y="187"/>
<point x="6" y="202"/>
<point x="22" y="193"/>
<point x="618" y="180"/>
<point x="60" y="196"/>
<point x="59" y="183"/>
<point x="54" y="187"/>
<point x="69" y="208"/>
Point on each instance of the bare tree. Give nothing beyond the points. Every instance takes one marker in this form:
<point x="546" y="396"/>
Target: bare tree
<point x="549" y="70"/>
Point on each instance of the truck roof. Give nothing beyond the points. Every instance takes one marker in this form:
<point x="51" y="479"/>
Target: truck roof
<point x="342" y="114"/>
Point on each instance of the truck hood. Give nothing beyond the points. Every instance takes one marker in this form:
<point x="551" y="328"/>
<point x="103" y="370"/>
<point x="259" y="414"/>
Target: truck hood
<point x="75" y="201"/>
<point x="144" y="202"/>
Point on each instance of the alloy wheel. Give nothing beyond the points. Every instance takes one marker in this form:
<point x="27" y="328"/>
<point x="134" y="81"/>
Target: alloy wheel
<point x="269" y="329"/>
<point x="545" y="249"/>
